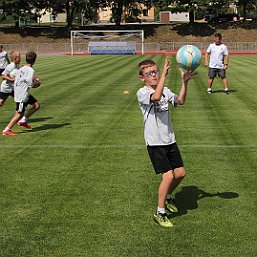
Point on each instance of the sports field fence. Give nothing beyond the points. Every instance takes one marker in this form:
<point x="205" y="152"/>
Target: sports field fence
<point x="153" y="47"/>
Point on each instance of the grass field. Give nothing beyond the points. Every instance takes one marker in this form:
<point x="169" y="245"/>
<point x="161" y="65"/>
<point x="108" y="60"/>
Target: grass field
<point x="80" y="183"/>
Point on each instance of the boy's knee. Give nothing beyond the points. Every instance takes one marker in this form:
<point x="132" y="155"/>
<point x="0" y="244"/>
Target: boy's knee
<point x="180" y="173"/>
<point x="168" y="176"/>
<point x="37" y="105"/>
<point x="1" y="103"/>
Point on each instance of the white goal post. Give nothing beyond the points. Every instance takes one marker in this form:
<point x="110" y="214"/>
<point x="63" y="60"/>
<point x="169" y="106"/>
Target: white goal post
<point x="107" y="41"/>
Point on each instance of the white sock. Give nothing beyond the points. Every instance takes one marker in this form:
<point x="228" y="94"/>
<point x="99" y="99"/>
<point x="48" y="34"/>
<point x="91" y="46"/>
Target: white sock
<point x="161" y="210"/>
<point x="23" y="119"/>
<point x="6" y="129"/>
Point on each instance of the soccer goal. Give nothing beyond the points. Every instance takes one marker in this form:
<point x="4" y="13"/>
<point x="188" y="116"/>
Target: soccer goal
<point x="107" y="42"/>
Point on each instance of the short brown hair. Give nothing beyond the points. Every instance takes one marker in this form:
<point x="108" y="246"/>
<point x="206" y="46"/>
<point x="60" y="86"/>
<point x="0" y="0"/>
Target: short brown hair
<point x="144" y="64"/>
<point x="31" y="57"/>
<point x="218" y="35"/>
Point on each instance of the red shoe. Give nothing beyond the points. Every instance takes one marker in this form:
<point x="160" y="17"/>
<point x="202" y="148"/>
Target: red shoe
<point x="24" y="124"/>
<point x="8" y="133"/>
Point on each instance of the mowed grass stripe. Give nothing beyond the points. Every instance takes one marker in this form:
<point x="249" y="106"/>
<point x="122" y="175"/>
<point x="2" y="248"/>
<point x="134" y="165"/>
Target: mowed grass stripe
<point x="85" y="183"/>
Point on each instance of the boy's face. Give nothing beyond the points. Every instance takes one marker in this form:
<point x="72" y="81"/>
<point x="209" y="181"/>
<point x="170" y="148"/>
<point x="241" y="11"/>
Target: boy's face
<point x="217" y="40"/>
<point x="17" y="59"/>
<point x="150" y="76"/>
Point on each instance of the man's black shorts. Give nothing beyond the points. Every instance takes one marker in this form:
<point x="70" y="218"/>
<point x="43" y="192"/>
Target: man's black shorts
<point x="165" y="157"/>
<point x="213" y="73"/>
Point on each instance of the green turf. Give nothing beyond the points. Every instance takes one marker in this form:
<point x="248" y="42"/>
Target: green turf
<point x="80" y="183"/>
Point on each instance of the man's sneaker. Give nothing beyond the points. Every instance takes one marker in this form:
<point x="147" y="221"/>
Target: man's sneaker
<point x="8" y="133"/>
<point x="209" y="91"/>
<point x="163" y="220"/>
<point x="171" y="205"/>
<point x="226" y="91"/>
<point x="24" y="124"/>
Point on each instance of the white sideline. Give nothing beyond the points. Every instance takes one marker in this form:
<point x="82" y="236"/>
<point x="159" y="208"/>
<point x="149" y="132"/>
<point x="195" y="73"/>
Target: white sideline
<point x="120" y="146"/>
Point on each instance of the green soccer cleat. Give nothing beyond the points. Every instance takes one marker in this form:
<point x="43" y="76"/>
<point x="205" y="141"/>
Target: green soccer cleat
<point x="163" y="220"/>
<point x="171" y="205"/>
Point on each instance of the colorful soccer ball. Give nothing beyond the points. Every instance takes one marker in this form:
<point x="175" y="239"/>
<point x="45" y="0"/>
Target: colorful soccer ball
<point x="189" y="57"/>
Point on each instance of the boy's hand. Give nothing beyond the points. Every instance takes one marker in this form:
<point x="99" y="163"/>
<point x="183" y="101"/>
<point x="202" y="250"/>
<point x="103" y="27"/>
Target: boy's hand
<point x="186" y="75"/>
<point x="166" y="66"/>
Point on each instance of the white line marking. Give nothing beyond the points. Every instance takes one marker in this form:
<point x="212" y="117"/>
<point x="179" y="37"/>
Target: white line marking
<point x="120" y="146"/>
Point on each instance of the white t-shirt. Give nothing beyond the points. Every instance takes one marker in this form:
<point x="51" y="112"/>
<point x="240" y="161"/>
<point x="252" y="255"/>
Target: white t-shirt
<point x="158" y="128"/>
<point x="22" y="83"/>
<point x="3" y="59"/>
<point x="7" y="85"/>
<point x="217" y="53"/>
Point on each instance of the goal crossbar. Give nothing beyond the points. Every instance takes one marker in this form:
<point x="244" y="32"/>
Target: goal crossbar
<point x="77" y="32"/>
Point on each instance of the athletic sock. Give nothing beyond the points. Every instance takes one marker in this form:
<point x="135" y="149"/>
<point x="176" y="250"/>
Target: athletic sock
<point x="23" y="119"/>
<point x="161" y="210"/>
<point x="6" y="129"/>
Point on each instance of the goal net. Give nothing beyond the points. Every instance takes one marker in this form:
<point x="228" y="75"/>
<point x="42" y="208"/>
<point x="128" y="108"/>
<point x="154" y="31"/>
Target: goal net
<point x="107" y="42"/>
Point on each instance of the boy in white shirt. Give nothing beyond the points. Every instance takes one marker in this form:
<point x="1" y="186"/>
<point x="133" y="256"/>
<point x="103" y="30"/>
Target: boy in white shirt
<point x="24" y="80"/>
<point x="4" y="59"/>
<point x="154" y="99"/>
<point x="8" y="76"/>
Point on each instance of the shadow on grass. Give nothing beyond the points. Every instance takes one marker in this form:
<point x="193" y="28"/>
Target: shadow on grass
<point x="222" y="91"/>
<point x="40" y="119"/>
<point x="188" y="197"/>
<point x="31" y="120"/>
<point x="45" y="127"/>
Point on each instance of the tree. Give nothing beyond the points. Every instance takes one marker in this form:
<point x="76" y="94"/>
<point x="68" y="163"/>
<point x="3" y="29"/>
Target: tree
<point x="71" y="7"/>
<point x="246" y="4"/>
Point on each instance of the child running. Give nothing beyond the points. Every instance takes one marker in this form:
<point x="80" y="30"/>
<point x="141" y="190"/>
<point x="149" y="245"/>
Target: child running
<point x="8" y="76"/>
<point x="24" y="80"/>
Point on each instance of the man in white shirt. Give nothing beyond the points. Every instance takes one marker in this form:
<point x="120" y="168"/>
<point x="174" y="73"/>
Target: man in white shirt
<point x="218" y="62"/>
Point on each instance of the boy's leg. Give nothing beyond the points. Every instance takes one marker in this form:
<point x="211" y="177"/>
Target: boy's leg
<point x="179" y="174"/>
<point x="211" y="75"/>
<point x="33" y="109"/>
<point x="225" y="84"/>
<point x="24" y="119"/>
<point x="160" y="216"/>
<point x="13" y="121"/>
<point x="164" y="188"/>
<point x="209" y="89"/>
<point x="2" y="101"/>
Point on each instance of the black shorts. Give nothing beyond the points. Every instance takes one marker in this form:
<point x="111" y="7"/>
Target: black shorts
<point x="213" y="73"/>
<point x="4" y="96"/>
<point x="165" y="157"/>
<point x="21" y="106"/>
<point x="1" y="71"/>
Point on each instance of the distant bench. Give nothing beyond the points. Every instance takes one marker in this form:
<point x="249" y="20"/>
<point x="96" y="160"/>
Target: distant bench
<point x="112" y="48"/>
